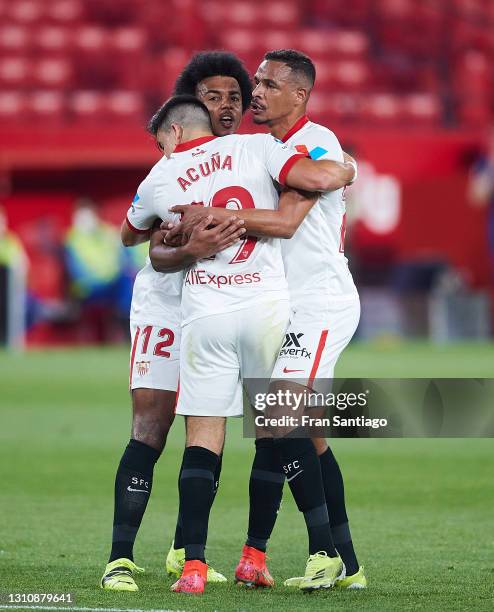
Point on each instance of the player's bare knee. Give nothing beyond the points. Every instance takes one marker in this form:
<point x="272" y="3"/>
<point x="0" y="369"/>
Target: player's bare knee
<point x="207" y="432"/>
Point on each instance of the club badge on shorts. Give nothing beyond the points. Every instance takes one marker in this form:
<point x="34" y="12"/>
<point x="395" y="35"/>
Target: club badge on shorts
<point x="143" y="367"/>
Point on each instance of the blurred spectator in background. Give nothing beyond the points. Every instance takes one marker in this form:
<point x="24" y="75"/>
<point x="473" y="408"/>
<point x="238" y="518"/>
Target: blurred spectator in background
<point x="11" y="250"/>
<point x="13" y="265"/>
<point x="92" y="258"/>
<point x="481" y="189"/>
<point x="131" y="261"/>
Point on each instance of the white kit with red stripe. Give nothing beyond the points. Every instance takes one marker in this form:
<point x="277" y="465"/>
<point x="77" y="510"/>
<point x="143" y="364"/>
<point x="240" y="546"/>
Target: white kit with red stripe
<point x="155" y="294"/>
<point x="155" y="314"/>
<point x="324" y="301"/>
<point x="231" y="172"/>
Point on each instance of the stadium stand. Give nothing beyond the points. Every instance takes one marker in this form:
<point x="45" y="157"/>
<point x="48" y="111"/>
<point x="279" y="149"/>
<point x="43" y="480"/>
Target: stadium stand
<point x="379" y="62"/>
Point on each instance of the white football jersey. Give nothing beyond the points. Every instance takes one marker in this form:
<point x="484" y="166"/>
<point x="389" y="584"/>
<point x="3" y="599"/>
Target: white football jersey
<point x="315" y="263"/>
<point x="156" y="296"/>
<point x="231" y="172"/>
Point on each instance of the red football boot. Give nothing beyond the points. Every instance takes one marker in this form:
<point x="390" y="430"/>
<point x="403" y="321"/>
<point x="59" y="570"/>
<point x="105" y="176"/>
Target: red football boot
<point x="193" y="578"/>
<point x="251" y="569"/>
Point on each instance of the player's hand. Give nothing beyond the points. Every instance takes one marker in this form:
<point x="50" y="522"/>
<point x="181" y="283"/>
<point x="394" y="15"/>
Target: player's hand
<point x="177" y="239"/>
<point x="348" y="159"/>
<point x="190" y="216"/>
<point x="206" y="241"/>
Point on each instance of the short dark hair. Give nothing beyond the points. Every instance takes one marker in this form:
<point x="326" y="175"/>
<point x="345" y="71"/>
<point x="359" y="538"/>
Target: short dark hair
<point x="162" y="115"/>
<point x="214" y="63"/>
<point x="296" y="60"/>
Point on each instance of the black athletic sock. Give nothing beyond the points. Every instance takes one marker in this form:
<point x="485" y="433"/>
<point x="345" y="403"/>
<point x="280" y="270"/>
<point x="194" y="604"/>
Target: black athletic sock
<point x="334" y="491"/>
<point x="133" y="484"/>
<point x="303" y="473"/>
<point x="178" y="541"/>
<point x="265" y="492"/>
<point x="196" y="498"/>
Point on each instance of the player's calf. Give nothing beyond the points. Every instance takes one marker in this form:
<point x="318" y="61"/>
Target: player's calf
<point x="153" y="413"/>
<point x="196" y="484"/>
<point x="303" y="474"/>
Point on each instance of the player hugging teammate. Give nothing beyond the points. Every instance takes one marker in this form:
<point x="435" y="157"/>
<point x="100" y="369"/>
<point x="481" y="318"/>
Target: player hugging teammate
<point x="215" y="332"/>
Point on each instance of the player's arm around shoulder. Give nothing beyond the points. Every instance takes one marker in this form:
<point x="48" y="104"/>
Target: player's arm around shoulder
<point x="327" y="169"/>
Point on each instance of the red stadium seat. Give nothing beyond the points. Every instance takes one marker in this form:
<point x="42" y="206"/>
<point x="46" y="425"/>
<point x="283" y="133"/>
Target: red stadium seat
<point x="166" y="70"/>
<point x="239" y="41"/>
<point x="87" y="107"/>
<point x="474" y="73"/>
<point x="315" y="43"/>
<point x="282" y="14"/>
<point x="12" y="107"/>
<point x="384" y="109"/>
<point x="332" y="44"/>
<point x="277" y="39"/>
<point x="49" y="106"/>
<point x="397" y="47"/>
<point x="422" y="108"/>
<point x="243" y="14"/>
<point x="346" y="75"/>
<point x="327" y="108"/>
<point x="340" y="12"/>
<point x="91" y="39"/>
<point x="349" y="42"/>
<point x="471" y="9"/>
<point x="94" y="65"/>
<point x="53" y="39"/>
<point x="351" y="74"/>
<point x="122" y="12"/>
<point x="128" y="40"/>
<point x="52" y="73"/>
<point x="127" y="47"/>
<point x="14" y="39"/>
<point x="125" y="106"/>
<point x="395" y="9"/>
<point x="66" y="12"/>
<point x="15" y="73"/>
<point x="26" y="11"/>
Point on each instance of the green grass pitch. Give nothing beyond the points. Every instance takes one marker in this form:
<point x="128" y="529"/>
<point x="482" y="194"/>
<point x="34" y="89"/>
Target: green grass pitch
<point x="421" y="510"/>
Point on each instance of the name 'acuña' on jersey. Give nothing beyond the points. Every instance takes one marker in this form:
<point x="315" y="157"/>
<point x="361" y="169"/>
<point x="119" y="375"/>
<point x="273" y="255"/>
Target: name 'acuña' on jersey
<point x="204" y="169"/>
<point x="231" y="172"/>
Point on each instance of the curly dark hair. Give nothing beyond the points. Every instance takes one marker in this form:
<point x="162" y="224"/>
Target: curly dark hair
<point x="214" y="63"/>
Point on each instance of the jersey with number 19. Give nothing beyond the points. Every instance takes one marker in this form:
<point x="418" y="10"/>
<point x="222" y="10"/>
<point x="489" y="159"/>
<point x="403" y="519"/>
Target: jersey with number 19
<point x="242" y="290"/>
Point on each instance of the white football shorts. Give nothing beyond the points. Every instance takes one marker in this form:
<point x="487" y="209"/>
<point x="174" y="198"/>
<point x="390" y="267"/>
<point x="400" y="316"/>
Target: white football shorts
<point x="219" y="351"/>
<point x="314" y="341"/>
<point x="154" y="356"/>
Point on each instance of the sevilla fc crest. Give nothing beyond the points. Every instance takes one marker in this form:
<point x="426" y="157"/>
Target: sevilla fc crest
<point x="142" y="367"/>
